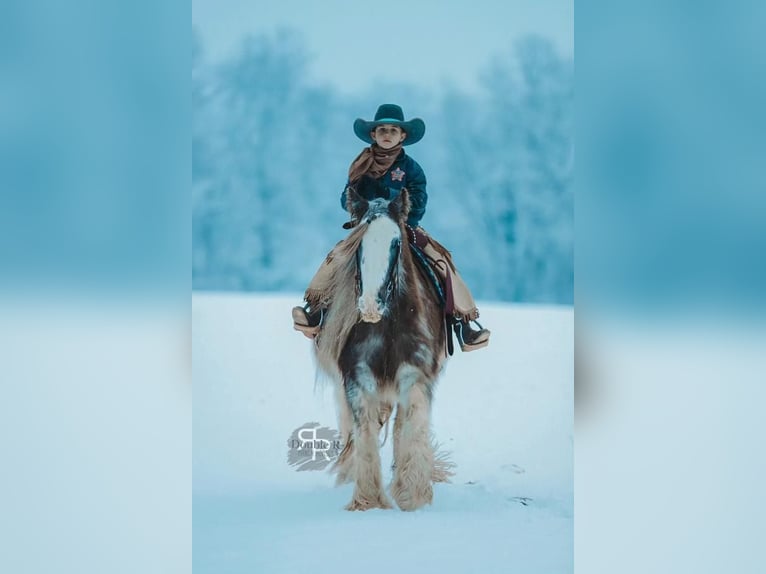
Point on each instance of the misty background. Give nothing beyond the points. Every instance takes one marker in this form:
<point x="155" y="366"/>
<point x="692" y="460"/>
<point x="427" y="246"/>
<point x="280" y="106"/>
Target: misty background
<point x="272" y="145"/>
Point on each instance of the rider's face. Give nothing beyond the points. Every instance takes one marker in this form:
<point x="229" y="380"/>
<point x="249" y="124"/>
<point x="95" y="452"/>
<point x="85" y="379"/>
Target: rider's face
<point x="387" y="135"/>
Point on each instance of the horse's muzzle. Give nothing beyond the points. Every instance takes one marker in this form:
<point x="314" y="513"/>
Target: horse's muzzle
<point x="370" y="309"/>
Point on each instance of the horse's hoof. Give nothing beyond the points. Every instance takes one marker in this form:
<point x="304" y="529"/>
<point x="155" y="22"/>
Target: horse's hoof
<point x="364" y="504"/>
<point x="412" y="499"/>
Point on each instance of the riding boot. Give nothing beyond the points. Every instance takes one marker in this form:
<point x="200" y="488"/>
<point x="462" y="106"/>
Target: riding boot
<point x="307" y="321"/>
<point x="468" y="338"/>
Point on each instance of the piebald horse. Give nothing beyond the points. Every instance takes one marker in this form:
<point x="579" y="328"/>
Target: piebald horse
<point x="382" y="342"/>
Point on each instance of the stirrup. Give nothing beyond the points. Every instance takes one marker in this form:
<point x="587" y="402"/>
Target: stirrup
<point x="300" y="321"/>
<point x="467" y="347"/>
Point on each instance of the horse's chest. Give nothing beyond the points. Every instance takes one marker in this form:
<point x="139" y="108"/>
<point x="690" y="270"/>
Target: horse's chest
<point x="382" y="348"/>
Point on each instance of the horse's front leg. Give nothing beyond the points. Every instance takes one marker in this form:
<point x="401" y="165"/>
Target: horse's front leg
<point x="368" y="489"/>
<point x="344" y="465"/>
<point x="413" y="452"/>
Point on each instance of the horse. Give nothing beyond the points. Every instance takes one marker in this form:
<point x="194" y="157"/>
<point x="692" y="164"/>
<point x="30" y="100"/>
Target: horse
<point x="383" y="344"/>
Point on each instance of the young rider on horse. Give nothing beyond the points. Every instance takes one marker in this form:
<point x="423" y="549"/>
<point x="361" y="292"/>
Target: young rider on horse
<point x="382" y="170"/>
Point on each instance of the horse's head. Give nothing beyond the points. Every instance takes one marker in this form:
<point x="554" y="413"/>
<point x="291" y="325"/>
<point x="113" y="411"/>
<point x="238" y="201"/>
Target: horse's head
<point x="379" y="250"/>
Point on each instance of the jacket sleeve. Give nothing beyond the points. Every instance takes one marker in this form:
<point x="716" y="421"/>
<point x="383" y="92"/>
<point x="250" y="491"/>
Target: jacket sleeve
<point x="416" y="185"/>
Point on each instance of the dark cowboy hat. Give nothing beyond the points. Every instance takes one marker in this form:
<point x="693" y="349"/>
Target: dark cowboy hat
<point x="391" y="114"/>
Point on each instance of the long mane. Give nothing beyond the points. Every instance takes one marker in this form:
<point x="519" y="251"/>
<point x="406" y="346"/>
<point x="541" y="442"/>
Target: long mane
<point x="343" y="313"/>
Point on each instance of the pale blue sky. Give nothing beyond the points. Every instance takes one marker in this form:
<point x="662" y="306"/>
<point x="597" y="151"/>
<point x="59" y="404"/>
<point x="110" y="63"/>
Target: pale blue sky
<point x="423" y="42"/>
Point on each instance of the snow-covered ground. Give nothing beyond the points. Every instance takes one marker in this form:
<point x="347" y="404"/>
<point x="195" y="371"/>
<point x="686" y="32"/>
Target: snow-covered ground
<point x="505" y="413"/>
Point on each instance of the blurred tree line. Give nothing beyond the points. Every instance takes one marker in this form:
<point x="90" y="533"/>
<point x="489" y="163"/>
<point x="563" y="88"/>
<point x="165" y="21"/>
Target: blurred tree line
<point x="270" y="154"/>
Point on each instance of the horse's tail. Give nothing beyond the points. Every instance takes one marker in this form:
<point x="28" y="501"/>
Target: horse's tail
<point x="385" y="418"/>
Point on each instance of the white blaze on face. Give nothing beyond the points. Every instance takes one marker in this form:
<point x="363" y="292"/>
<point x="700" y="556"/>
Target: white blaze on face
<point x="376" y="249"/>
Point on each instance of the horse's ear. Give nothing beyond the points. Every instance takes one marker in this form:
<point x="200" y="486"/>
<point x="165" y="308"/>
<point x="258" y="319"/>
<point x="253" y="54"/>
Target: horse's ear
<point x="399" y="208"/>
<point x="356" y="205"/>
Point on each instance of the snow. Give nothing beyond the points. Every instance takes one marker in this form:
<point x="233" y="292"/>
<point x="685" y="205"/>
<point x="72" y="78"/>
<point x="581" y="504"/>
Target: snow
<point x="504" y="412"/>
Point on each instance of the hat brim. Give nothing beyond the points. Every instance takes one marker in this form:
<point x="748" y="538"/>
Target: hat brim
<point x="415" y="129"/>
